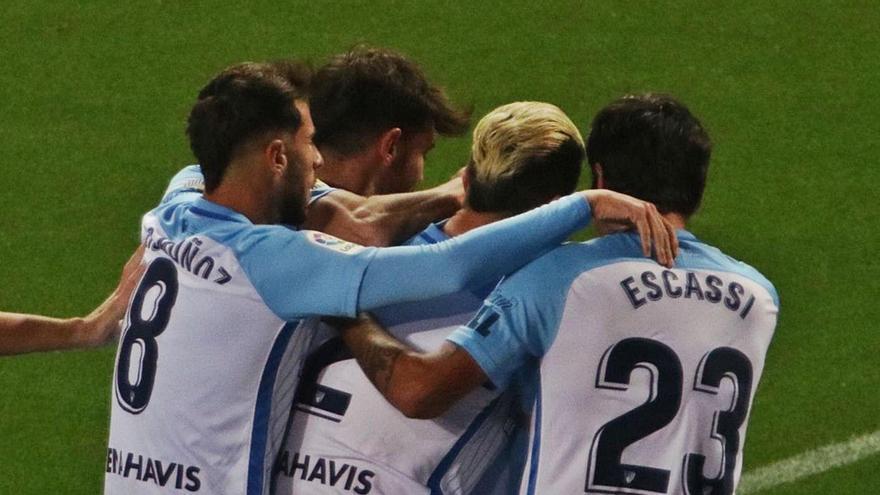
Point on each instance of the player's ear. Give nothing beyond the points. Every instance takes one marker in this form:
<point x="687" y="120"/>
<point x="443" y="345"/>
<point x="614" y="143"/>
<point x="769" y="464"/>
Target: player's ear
<point x="389" y="144"/>
<point x="275" y="157"/>
<point x="598" y="179"/>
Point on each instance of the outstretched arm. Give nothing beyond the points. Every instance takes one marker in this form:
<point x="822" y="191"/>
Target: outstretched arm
<point x="383" y="220"/>
<point x="420" y="385"/>
<point x="20" y="333"/>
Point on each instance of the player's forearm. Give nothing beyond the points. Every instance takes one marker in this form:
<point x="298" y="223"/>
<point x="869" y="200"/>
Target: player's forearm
<point x="375" y="350"/>
<point x="393" y="218"/>
<point x="21" y="333"/>
<point x="420" y="385"/>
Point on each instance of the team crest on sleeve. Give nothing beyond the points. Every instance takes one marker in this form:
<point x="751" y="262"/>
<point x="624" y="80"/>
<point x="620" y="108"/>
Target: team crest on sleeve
<point x="330" y="242"/>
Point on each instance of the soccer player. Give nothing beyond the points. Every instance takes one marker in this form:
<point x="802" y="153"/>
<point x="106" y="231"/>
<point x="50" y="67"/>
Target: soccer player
<point x="344" y="435"/>
<point x="216" y="329"/>
<point x="376" y="117"/>
<point x="643" y="376"/>
<point x="23" y="333"/>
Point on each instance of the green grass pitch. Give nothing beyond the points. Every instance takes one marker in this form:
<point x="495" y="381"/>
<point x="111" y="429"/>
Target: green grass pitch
<point x="94" y="95"/>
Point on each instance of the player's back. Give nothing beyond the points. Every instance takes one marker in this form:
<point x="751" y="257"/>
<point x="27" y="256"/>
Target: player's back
<point x="206" y="367"/>
<point x="649" y="375"/>
<point x="346" y="438"/>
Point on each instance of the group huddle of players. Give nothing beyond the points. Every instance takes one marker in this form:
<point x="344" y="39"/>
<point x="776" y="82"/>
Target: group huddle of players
<point x="270" y="342"/>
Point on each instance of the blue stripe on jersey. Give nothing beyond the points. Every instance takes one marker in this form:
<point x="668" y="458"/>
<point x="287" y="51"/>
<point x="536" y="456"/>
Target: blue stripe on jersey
<point x="444" y="465"/>
<point x="431" y="235"/>
<point x="536" y="442"/>
<point x="319" y="190"/>
<point x="262" y="410"/>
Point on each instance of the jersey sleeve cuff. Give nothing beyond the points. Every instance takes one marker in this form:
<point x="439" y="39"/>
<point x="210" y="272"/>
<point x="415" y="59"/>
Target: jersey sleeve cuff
<point x="464" y="338"/>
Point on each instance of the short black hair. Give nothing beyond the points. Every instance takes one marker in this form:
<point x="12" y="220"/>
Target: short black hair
<point x="361" y="93"/>
<point x="238" y="104"/>
<point x="651" y="147"/>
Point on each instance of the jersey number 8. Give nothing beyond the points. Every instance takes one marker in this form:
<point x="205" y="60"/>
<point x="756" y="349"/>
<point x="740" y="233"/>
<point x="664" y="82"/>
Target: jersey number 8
<point x="147" y="317"/>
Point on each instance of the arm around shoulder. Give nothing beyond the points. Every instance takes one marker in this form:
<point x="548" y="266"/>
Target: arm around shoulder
<point x="420" y="385"/>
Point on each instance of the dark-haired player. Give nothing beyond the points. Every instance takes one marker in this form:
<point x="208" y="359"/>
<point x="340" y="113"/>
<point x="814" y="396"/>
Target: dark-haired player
<point x="376" y="117"/>
<point x="643" y="376"/>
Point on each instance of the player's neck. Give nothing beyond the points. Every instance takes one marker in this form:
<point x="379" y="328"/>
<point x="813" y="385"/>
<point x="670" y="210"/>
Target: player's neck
<point x="466" y="219"/>
<point x="245" y="193"/>
<point x="348" y="173"/>
<point x="677" y="220"/>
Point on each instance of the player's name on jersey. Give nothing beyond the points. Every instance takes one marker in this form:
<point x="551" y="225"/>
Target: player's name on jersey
<point x="652" y="286"/>
<point x="185" y="254"/>
<point x="328" y="472"/>
<point x="149" y="470"/>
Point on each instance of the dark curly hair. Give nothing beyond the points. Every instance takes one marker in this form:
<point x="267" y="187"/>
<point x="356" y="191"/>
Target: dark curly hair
<point x="365" y="91"/>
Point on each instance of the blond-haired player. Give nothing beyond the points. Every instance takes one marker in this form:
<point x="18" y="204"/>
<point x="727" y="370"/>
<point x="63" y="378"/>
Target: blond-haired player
<point x="345" y="438"/>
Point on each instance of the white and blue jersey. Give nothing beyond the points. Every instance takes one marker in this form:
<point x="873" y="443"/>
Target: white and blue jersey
<point x="346" y="438"/>
<point x="217" y="328"/>
<point x="646" y="375"/>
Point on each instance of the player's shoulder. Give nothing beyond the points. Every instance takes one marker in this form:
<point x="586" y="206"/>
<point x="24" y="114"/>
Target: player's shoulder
<point x="189" y="180"/>
<point x="697" y="254"/>
<point x="555" y="271"/>
<point x="272" y="240"/>
<point x="573" y="258"/>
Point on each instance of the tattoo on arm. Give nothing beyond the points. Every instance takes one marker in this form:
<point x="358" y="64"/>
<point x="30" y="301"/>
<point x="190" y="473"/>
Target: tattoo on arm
<point x="375" y="350"/>
<point x="378" y="364"/>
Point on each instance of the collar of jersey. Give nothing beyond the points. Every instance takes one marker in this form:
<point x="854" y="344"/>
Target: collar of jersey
<point x="685" y="235"/>
<point x="205" y="208"/>
<point x="434" y="233"/>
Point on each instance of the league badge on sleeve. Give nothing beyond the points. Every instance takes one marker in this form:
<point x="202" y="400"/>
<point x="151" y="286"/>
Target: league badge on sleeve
<point x="484" y="319"/>
<point x="330" y="242"/>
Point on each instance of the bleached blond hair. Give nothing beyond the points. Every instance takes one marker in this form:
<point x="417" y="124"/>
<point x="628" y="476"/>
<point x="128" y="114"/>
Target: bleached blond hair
<point x="531" y="142"/>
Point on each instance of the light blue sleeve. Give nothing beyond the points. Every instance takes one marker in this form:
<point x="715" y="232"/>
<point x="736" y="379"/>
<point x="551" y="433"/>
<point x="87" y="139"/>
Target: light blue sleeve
<point x="188" y="182"/>
<point x="520" y="319"/>
<point x="401" y="274"/>
<point x="496" y="338"/>
<point x="302" y="273"/>
<point x="306" y="273"/>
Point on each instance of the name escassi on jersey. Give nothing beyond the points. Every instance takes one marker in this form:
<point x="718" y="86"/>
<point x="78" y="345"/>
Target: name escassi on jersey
<point x="669" y="284"/>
